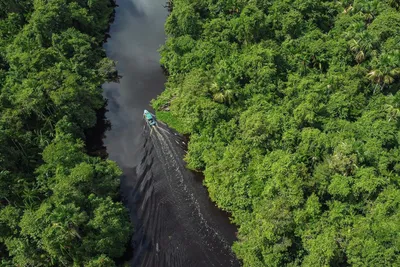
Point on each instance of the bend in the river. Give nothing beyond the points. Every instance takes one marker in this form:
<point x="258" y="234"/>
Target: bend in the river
<point x="175" y="222"/>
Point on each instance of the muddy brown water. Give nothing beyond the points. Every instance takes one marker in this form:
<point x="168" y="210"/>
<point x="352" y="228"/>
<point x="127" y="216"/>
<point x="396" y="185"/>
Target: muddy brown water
<point x="175" y="222"/>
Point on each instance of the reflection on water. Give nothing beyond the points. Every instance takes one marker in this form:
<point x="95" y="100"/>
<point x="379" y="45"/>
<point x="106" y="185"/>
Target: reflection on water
<point x="136" y="35"/>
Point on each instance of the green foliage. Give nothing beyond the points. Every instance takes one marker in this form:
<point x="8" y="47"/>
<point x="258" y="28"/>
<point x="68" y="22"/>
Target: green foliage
<point x="58" y="205"/>
<point x="171" y="121"/>
<point x="293" y="110"/>
<point x="101" y="261"/>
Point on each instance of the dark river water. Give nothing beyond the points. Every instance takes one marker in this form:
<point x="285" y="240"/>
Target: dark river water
<point x="136" y="35"/>
<point x="175" y="222"/>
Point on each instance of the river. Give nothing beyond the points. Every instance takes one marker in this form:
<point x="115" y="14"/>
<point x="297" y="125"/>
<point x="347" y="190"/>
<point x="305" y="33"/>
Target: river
<point x="175" y="222"/>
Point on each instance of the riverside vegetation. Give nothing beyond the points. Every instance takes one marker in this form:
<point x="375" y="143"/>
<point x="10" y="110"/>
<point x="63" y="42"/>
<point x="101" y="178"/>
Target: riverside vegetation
<point x="58" y="205"/>
<point x="293" y="108"/>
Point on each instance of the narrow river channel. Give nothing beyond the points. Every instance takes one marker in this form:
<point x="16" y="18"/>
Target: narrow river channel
<point x="175" y="222"/>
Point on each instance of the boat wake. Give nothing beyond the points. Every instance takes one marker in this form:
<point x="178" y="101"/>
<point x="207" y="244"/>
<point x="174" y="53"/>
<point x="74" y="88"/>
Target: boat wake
<point x="176" y="224"/>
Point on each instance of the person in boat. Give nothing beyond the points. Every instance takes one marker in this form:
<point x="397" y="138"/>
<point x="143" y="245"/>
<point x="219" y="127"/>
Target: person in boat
<point x="150" y="118"/>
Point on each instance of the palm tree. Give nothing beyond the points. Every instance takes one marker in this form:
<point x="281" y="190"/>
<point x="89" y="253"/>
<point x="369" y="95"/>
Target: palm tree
<point x="376" y="76"/>
<point x="219" y="97"/>
<point x="387" y="70"/>
<point x="356" y="48"/>
<point x="367" y="8"/>
<point x="354" y="29"/>
<point x="392" y="112"/>
<point x="367" y="40"/>
<point x="226" y="96"/>
<point x="222" y="95"/>
<point x="229" y="96"/>
<point x="354" y="45"/>
<point x="362" y="45"/>
<point x="30" y="197"/>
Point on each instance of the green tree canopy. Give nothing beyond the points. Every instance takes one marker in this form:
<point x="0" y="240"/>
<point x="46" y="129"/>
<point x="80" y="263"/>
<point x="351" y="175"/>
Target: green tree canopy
<point x="58" y="205"/>
<point x="292" y="108"/>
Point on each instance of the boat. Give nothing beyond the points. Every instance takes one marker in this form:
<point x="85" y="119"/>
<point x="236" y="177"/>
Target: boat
<point x="150" y="118"/>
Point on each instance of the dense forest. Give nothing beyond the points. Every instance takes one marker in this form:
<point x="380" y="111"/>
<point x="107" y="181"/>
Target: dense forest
<point x="293" y="108"/>
<point x="58" y="204"/>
